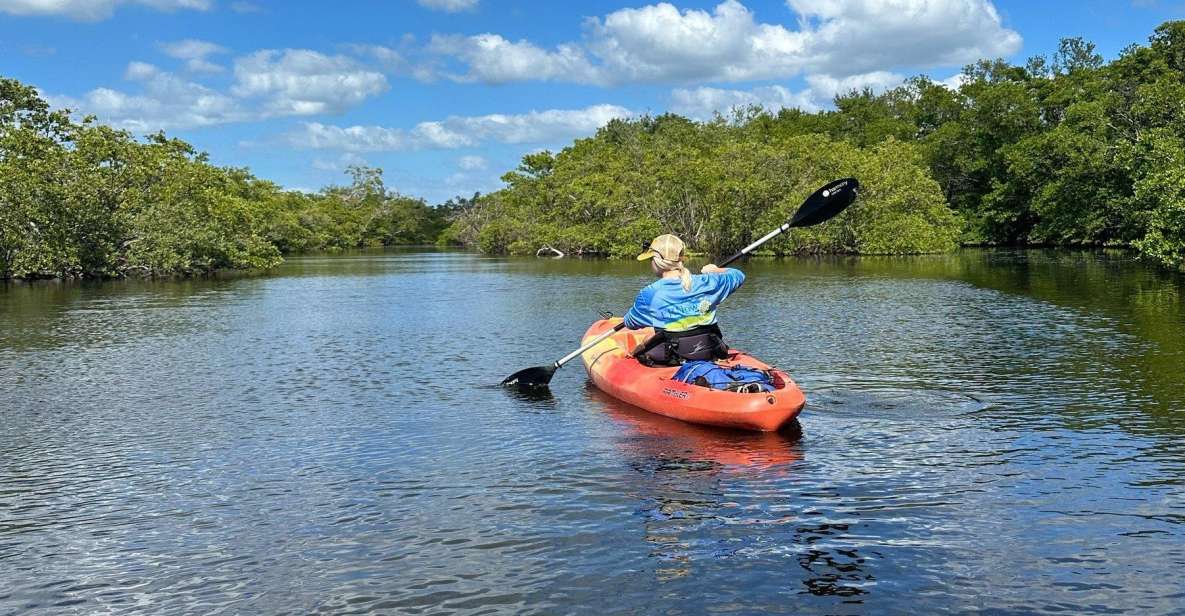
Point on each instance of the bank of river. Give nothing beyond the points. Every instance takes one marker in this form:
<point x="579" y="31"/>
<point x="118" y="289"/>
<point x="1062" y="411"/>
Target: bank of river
<point x="999" y="430"/>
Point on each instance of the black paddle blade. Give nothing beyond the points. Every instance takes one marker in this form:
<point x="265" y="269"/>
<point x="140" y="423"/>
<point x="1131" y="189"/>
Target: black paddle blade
<point x="530" y="378"/>
<point x="826" y="203"/>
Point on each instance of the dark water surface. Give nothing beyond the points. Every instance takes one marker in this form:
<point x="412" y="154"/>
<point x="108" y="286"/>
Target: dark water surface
<point x="1001" y="431"/>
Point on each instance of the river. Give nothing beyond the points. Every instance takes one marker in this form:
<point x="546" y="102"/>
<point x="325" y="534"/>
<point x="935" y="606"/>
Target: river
<point x="990" y="430"/>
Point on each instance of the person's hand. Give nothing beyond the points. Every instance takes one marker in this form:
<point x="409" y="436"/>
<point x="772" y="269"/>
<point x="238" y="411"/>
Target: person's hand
<point x="710" y="268"/>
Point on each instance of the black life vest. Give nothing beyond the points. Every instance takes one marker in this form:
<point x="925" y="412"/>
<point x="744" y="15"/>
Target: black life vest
<point x="673" y="348"/>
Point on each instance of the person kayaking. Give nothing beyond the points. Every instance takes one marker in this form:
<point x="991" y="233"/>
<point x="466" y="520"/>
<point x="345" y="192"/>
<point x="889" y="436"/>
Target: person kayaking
<point x="681" y="307"/>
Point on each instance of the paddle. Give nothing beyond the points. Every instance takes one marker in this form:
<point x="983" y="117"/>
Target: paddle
<point x="820" y="207"/>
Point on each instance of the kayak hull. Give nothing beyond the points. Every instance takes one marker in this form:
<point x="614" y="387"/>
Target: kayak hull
<point x="618" y="374"/>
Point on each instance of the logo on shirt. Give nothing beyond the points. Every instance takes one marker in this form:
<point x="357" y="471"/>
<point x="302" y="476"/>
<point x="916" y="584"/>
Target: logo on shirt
<point x="704" y="306"/>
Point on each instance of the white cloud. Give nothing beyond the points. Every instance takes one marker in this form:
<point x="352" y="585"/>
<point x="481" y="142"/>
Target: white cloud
<point x="461" y="131"/>
<point x="303" y="82"/>
<point x="702" y="103"/>
<point x="194" y="52"/>
<point x="493" y="59"/>
<point x="197" y="65"/>
<point x="856" y="36"/>
<point x="954" y="82"/>
<point x="661" y="43"/>
<point x="267" y="84"/>
<point x="825" y="87"/>
<point x="395" y="61"/>
<point x="472" y="163"/>
<point x="339" y="164"/>
<point x="386" y="57"/>
<point x="140" y="71"/>
<point x="190" y="49"/>
<point x="167" y="102"/>
<point x="530" y="127"/>
<point x="92" y="10"/>
<point x="449" y="6"/>
<point x="319" y="136"/>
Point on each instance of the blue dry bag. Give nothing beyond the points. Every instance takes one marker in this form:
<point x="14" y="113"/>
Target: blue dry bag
<point x="715" y="376"/>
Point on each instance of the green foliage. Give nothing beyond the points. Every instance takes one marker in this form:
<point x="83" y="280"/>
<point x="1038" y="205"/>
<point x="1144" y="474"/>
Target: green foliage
<point x="719" y="185"/>
<point x="1160" y="192"/>
<point x="79" y="199"/>
<point x="1068" y="150"/>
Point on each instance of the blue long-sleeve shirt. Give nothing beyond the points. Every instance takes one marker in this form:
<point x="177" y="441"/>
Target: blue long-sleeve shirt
<point x="663" y="304"/>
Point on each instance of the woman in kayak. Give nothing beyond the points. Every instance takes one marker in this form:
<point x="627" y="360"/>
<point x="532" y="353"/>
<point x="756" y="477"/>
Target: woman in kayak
<point x="680" y="307"/>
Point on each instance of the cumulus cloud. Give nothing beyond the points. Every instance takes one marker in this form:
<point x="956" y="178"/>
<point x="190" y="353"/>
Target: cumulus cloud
<point x="92" y="10"/>
<point x="661" y="43"/>
<point x="705" y="102"/>
<point x="269" y="83"/>
<point x="140" y="71"/>
<point x="397" y="61"/>
<point x="195" y="52"/>
<point x="166" y="102"/>
<point x="449" y="6"/>
<point x="304" y="82"/>
<point x="493" y="59"/>
<point x="341" y="163"/>
<point x="852" y="36"/>
<point x="472" y="163"/>
<point x="702" y="103"/>
<point x="189" y="49"/>
<point x="825" y="87"/>
<point x="460" y="131"/>
<point x="954" y="82"/>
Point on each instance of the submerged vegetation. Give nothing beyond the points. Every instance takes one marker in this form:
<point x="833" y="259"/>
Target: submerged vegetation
<point x="1063" y="151"/>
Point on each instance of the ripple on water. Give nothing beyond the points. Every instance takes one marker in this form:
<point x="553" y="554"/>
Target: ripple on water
<point x="290" y="444"/>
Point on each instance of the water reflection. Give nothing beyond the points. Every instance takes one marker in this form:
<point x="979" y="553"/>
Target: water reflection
<point x="831" y="570"/>
<point x="693" y="480"/>
<point x="669" y="441"/>
<point x="986" y="431"/>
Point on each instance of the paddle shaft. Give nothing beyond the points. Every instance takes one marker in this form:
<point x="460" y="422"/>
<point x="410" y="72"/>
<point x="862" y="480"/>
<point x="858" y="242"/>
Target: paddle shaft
<point x="620" y="326"/>
<point x="751" y="247"/>
<point x="591" y="343"/>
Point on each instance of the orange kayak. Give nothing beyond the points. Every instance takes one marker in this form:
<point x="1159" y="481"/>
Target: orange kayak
<point x="616" y="373"/>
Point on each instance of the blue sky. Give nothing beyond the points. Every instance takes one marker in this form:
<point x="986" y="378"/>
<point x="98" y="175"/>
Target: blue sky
<point x="446" y="95"/>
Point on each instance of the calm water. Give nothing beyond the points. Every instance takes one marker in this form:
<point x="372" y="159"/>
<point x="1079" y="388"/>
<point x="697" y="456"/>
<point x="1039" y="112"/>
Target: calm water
<point x="1002" y="431"/>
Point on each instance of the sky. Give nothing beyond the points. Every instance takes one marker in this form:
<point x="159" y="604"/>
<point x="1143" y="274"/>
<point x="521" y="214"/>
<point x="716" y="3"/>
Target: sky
<point x="447" y="95"/>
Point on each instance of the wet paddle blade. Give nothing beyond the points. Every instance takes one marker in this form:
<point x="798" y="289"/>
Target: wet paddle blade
<point x="826" y="203"/>
<point x="538" y="376"/>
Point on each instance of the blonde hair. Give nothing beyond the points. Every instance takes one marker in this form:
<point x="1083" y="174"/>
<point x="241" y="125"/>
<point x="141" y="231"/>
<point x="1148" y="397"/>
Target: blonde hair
<point x="667" y="265"/>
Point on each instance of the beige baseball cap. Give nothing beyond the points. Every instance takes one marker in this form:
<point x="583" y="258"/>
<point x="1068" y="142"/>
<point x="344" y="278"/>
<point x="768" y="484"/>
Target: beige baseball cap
<point x="666" y="246"/>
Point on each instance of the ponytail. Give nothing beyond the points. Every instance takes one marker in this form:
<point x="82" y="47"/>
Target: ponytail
<point x="685" y="276"/>
<point x="676" y="265"/>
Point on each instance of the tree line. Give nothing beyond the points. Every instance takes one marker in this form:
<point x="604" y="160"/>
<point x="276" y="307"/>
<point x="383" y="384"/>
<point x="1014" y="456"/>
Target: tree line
<point x="1066" y="150"/>
<point x="79" y="199"/>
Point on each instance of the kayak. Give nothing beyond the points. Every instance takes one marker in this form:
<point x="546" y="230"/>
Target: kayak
<point x="614" y="371"/>
<point x="653" y="437"/>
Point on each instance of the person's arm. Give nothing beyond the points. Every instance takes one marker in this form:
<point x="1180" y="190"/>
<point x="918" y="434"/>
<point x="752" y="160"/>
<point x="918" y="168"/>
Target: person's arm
<point x="730" y="279"/>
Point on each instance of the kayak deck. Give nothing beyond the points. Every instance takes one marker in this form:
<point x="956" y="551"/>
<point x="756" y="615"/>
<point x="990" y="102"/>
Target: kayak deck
<point x="614" y="371"/>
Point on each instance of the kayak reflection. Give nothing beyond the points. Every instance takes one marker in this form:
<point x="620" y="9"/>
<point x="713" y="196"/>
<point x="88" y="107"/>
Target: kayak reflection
<point x="671" y="441"/>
